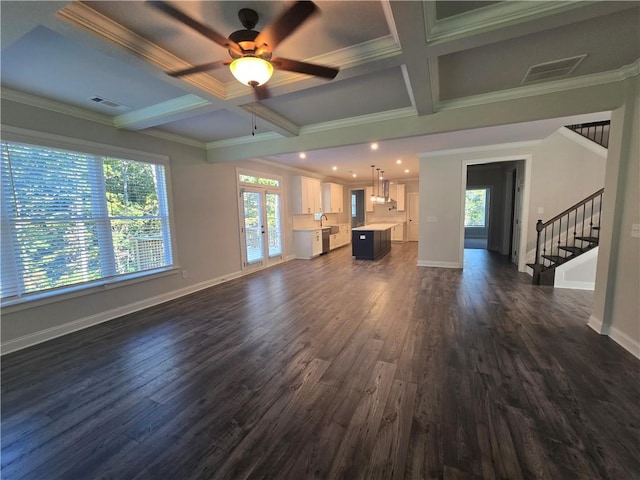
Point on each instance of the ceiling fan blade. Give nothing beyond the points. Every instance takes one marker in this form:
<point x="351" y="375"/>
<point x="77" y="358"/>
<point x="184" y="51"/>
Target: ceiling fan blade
<point x="198" y="68"/>
<point x="197" y="26"/>
<point x="304" y="67"/>
<point x="285" y="24"/>
<point x="262" y="92"/>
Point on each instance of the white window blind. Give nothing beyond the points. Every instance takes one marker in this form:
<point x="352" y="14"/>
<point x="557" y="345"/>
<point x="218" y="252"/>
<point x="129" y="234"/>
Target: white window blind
<point x="71" y="218"/>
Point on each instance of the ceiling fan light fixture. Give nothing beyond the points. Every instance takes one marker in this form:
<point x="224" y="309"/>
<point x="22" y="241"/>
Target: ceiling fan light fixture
<point x="251" y="71"/>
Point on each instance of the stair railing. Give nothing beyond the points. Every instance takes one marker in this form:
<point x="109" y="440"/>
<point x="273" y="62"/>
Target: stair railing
<point x="595" y="131"/>
<point x="569" y="233"/>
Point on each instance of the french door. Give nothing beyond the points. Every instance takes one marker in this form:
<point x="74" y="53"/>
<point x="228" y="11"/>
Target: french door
<point x="261" y="227"/>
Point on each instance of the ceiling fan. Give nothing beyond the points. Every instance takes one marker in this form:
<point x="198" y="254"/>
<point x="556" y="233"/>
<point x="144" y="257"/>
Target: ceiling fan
<point x="252" y="51"/>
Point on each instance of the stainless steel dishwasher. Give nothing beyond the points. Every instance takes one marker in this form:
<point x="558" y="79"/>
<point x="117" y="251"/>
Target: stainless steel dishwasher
<point x="326" y="233"/>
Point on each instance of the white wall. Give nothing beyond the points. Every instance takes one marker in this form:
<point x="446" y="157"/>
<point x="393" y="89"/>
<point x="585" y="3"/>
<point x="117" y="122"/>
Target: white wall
<point x="205" y="225"/>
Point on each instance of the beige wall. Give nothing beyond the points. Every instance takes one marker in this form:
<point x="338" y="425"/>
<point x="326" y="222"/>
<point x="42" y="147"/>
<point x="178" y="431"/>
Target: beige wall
<point x="205" y="227"/>
<point x="559" y="173"/>
<point x="616" y="309"/>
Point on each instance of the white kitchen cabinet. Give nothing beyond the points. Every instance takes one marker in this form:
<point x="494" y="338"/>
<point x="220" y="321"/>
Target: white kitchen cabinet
<point x="343" y="237"/>
<point x="397" y="232"/>
<point x="305" y="194"/>
<point x="397" y="193"/>
<point x="332" y="198"/>
<point x="368" y="204"/>
<point x="400" y="196"/>
<point x="307" y="243"/>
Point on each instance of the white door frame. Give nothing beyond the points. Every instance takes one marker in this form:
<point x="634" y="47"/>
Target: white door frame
<point x="411" y="216"/>
<point x="524" y="205"/>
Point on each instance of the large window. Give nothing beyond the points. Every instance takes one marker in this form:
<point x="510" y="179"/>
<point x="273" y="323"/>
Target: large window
<point x="72" y="218"/>
<point x="475" y="208"/>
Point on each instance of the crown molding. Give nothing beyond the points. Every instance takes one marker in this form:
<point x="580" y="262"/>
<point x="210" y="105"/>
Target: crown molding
<point x="85" y="17"/>
<point x="359" y="120"/>
<point x="54" y="106"/>
<point x="492" y="17"/>
<point x="583" y="81"/>
<point x="159" y="110"/>
<point x="64" y="109"/>
<point x="483" y="148"/>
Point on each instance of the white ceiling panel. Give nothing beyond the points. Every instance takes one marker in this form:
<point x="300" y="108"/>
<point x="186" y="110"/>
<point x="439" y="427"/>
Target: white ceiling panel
<point x="46" y="64"/>
<point x="374" y="93"/>
<point x="211" y="127"/>
<point x="500" y="66"/>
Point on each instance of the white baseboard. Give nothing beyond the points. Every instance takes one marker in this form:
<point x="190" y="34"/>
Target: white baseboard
<point x="427" y="263"/>
<point x="625" y="341"/>
<point x="632" y="345"/>
<point x="596" y="324"/>
<point x="575" y="285"/>
<point x="82" y="323"/>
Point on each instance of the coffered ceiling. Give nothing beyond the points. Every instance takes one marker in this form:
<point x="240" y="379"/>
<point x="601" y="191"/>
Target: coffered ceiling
<point x="399" y="61"/>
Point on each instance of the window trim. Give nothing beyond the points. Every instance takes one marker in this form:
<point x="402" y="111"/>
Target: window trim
<point x="32" y="137"/>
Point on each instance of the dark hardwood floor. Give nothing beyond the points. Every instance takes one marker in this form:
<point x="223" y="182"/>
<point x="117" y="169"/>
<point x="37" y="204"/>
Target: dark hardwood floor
<point x="333" y="368"/>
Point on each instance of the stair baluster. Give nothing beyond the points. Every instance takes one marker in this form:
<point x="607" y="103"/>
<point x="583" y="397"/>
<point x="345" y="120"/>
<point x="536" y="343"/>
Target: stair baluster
<point x="545" y="263"/>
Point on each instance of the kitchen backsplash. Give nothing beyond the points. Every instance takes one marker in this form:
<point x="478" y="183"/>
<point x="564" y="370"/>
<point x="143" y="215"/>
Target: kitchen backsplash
<point x="307" y="221"/>
<point x="382" y="214"/>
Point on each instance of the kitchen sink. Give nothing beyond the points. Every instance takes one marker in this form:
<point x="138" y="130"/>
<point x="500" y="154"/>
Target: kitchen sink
<point x="335" y="229"/>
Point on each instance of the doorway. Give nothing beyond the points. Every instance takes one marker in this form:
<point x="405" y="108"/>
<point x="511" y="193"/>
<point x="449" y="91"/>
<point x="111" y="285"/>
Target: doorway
<point x="357" y="208"/>
<point x="493" y="204"/>
<point x="260" y="221"/>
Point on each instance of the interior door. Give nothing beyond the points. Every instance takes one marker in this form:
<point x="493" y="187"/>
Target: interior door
<point x="414" y="217"/>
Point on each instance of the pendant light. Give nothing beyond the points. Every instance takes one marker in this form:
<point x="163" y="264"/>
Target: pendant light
<point x="373" y="193"/>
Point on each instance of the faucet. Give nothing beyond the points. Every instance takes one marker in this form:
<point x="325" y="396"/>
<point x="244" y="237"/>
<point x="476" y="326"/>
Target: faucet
<point x="325" y="217"/>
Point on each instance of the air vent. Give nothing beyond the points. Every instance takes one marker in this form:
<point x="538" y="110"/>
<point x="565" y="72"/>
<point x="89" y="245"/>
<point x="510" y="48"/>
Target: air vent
<point x="552" y="70"/>
<point x="108" y="103"/>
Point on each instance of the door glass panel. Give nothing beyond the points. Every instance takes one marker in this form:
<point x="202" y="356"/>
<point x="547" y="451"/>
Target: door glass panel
<point x="274" y="225"/>
<point x="253" y="226"/>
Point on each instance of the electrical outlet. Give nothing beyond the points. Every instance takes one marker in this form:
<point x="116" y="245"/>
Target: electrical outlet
<point x="635" y="230"/>
<point x="540" y="210"/>
<point x="185" y="274"/>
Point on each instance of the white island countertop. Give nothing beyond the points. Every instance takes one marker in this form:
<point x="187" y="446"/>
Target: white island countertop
<point x="376" y="226"/>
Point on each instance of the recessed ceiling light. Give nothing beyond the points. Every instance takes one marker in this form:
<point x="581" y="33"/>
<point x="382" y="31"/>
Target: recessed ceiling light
<point x="354" y="175"/>
<point x="398" y="161"/>
<point x="303" y="155"/>
<point x="374" y="146"/>
<point x="406" y="170"/>
<point x="334" y="168"/>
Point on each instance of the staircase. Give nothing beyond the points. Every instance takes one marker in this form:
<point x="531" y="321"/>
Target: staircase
<point x="566" y="236"/>
<point x="577" y="229"/>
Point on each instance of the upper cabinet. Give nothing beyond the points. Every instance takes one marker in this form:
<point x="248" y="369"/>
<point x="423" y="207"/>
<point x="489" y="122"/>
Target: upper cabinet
<point x="368" y="203"/>
<point x="397" y="193"/>
<point x="332" y="198"/>
<point x="305" y="194"/>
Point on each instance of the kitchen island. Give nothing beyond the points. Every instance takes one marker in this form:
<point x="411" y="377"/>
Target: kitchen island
<point x="371" y="241"/>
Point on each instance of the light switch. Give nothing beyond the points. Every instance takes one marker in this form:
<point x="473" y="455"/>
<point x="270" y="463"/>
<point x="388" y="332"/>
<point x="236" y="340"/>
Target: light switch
<point x="540" y="210"/>
<point x="635" y="230"/>
<point x="432" y="219"/>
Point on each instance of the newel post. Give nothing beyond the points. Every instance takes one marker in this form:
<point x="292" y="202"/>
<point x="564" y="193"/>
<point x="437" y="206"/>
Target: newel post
<point x="539" y="228"/>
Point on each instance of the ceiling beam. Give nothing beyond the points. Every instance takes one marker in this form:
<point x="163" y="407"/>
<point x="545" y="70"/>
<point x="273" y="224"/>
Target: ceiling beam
<point x="409" y="20"/>
<point x="595" y="98"/>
